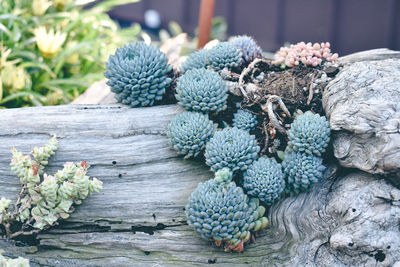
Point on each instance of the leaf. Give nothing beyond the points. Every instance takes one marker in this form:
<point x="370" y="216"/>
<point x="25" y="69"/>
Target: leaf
<point x="5" y="30"/>
<point x="12" y="17"/>
<point x="31" y="94"/>
<point x="107" y="5"/>
<point x="1" y="89"/>
<point x="35" y="64"/>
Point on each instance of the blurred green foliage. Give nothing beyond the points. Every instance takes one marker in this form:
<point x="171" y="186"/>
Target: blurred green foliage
<point x="52" y="50"/>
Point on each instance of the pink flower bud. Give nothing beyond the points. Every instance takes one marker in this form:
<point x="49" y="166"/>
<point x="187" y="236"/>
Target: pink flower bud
<point x="316" y="46"/>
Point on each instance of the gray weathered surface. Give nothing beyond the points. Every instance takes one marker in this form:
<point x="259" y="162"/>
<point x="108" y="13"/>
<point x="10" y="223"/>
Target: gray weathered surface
<point x="138" y="219"/>
<point x="362" y="104"/>
<point x="370" y="55"/>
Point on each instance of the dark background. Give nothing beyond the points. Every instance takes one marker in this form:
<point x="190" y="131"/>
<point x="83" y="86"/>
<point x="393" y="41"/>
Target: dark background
<point x="350" y="25"/>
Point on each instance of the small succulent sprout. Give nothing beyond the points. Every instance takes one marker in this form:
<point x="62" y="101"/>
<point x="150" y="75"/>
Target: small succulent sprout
<point x="4" y="203"/>
<point x="196" y="60"/>
<point x="224" y="55"/>
<point x="264" y="179"/>
<point x="189" y="132"/>
<point x="309" y="133"/>
<point x="249" y="48"/>
<point x="245" y="120"/>
<point x="301" y="171"/>
<point x="231" y="148"/>
<point x="202" y="90"/>
<point x="219" y="211"/>
<point x="138" y="74"/>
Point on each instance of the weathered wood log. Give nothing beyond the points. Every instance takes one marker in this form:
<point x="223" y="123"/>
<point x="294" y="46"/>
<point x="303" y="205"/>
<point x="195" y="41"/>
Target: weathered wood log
<point x="362" y="104"/>
<point x="138" y="219"/>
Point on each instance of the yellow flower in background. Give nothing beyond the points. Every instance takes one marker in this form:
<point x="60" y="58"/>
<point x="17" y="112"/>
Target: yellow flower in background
<point x="14" y="78"/>
<point x="60" y="4"/>
<point x="39" y="7"/>
<point x="49" y="43"/>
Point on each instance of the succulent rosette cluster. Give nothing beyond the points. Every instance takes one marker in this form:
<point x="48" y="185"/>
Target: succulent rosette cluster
<point x="219" y="211"/>
<point x="306" y="53"/>
<point x="225" y="211"/>
<point x="309" y="137"/>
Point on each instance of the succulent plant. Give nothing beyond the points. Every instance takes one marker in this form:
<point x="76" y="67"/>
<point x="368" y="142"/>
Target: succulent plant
<point x="245" y="120"/>
<point x="219" y="211"/>
<point x="138" y="74"/>
<point x="44" y="200"/>
<point x="309" y="54"/>
<point x="309" y="133"/>
<point x="189" y="132"/>
<point x="224" y="55"/>
<point x="202" y="90"/>
<point x="301" y="171"/>
<point x="264" y="179"/>
<point x="196" y="60"/>
<point x="231" y="148"/>
<point x="249" y="48"/>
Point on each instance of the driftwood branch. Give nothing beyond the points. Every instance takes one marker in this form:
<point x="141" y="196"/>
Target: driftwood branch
<point x="138" y="219"/>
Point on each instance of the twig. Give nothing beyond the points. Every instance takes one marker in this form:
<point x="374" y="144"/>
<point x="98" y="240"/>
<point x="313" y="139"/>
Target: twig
<point x="21" y="232"/>
<point x="310" y="89"/>
<point x="246" y="71"/>
<point x="269" y="109"/>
